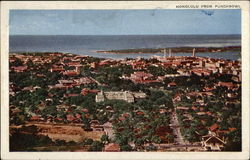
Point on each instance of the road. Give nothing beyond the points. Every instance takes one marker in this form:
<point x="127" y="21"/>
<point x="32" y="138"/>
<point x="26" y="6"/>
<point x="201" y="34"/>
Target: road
<point x="176" y="129"/>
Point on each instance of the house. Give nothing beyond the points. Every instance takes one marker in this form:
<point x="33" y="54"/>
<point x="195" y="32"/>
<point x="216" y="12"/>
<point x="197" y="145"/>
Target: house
<point x="86" y="91"/>
<point x="171" y="84"/>
<point x="94" y="65"/>
<point x="70" y="95"/>
<point x="112" y="147"/>
<point x="212" y="143"/>
<point x="70" y="117"/>
<point x="228" y="85"/>
<point x="36" y="118"/>
<point x="19" y="68"/>
<point x="182" y="108"/>
<point x="138" y="65"/>
<point x="177" y="98"/>
<point x="140" y="75"/>
<point x="201" y="72"/>
<point x="67" y="83"/>
<point x="213" y="128"/>
<point x="57" y="69"/>
<point x="84" y="80"/>
<point x="71" y="73"/>
<point x="95" y="125"/>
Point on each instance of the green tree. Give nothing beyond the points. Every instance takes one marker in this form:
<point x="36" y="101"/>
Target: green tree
<point x="96" y="146"/>
<point x="126" y="147"/>
<point x="105" y="138"/>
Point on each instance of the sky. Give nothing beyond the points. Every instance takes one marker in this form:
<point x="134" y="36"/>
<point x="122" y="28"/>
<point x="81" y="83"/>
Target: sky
<point x="124" y="22"/>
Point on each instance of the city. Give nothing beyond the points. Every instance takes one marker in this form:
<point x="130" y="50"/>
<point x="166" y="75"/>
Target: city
<point x="69" y="102"/>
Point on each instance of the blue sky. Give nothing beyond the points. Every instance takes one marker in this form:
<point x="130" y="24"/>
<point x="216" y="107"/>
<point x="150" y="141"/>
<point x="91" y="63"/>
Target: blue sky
<point x="123" y="22"/>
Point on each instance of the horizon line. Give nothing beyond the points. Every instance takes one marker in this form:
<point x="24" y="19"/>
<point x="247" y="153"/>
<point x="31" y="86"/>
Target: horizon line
<point x="113" y="34"/>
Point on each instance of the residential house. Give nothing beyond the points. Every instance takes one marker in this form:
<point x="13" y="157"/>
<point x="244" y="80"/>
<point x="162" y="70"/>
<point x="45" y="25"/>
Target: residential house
<point x="212" y="142"/>
<point x="112" y="147"/>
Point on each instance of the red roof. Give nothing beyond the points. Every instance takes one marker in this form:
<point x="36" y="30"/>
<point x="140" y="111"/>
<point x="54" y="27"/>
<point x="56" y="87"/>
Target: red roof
<point x="139" y="113"/>
<point x="103" y="63"/>
<point x="121" y="118"/>
<point x="125" y="115"/>
<point x="137" y="63"/>
<point x="86" y="91"/>
<point x="112" y="147"/>
<point x="93" y="91"/>
<point x="172" y="84"/>
<point x="214" y="127"/>
<point x="208" y="89"/>
<point x="70" y="73"/>
<point x="70" y="95"/>
<point x="70" y="117"/>
<point x="59" y="119"/>
<point x="78" y="116"/>
<point x="85" y="110"/>
<point x="226" y="84"/>
<point x="57" y="69"/>
<point x="19" y="68"/>
<point x="142" y="74"/>
<point x="231" y="129"/>
<point x="74" y="64"/>
<point x="35" y="118"/>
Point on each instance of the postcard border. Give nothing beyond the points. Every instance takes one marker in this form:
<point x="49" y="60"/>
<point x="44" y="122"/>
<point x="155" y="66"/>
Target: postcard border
<point x="6" y="6"/>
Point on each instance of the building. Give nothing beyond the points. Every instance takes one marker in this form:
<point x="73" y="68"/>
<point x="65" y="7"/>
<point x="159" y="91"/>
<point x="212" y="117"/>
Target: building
<point x="19" y="68"/>
<point x="212" y="142"/>
<point x="119" y="95"/>
<point x="112" y="147"/>
<point x="127" y="96"/>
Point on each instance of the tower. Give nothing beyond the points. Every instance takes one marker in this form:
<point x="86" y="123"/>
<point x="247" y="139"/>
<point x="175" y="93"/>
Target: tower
<point x="194" y="52"/>
<point x="164" y="51"/>
<point x="170" y="53"/>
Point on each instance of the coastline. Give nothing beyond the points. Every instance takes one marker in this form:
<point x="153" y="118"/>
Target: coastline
<point x="173" y="50"/>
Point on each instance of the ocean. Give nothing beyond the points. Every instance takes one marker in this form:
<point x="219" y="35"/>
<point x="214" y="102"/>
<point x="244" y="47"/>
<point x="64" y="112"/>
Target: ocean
<point x="89" y="44"/>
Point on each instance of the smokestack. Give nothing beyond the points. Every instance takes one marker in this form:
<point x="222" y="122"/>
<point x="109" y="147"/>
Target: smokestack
<point x="194" y="52"/>
<point x="169" y="52"/>
<point x="164" y="53"/>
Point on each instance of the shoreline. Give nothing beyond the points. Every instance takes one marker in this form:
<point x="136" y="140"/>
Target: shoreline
<point x="173" y="50"/>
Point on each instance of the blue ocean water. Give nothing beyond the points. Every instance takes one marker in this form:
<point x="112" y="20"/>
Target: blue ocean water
<point x="89" y="44"/>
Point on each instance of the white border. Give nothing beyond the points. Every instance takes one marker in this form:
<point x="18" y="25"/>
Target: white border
<point x="6" y="6"/>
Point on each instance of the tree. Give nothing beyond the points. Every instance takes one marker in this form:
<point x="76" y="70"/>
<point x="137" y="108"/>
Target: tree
<point x="88" y="141"/>
<point x="105" y="139"/>
<point x="161" y="101"/>
<point x="145" y="104"/>
<point x="151" y="147"/>
<point x="170" y="138"/>
<point x="17" y="62"/>
<point x="190" y="135"/>
<point x="234" y="142"/>
<point x="96" y="146"/>
<point x="49" y="110"/>
<point x="126" y="147"/>
<point x="156" y="95"/>
<point x="156" y="139"/>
